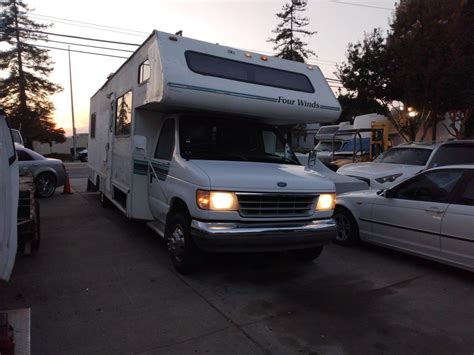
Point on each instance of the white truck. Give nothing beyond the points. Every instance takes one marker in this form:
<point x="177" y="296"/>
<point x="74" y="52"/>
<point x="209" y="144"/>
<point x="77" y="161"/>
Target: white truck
<point x="183" y="135"/>
<point x="9" y="190"/>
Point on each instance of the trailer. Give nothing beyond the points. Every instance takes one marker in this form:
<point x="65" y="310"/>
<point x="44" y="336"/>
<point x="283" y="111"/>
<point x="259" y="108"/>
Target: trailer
<point x="184" y="136"/>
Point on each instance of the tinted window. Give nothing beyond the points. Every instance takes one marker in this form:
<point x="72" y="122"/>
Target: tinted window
<point x="364" y="143"/>
<point x="23" y="156"/>
<point x="453" y="154"/>
<point x="144" y="71"/>
<point x="233" y="140"/>
<point x="408" y="156"/>
<point x="250" y="73"/>
<point x="123" y="115"/>
<point x="165" y="146"/>
<point x="92" y="125"/>
<point x="466" y="195"/>
<point x="434" y="186"/>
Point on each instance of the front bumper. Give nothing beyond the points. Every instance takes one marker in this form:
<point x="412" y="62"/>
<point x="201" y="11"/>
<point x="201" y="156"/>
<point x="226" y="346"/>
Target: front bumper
<point x="243" y="237"/>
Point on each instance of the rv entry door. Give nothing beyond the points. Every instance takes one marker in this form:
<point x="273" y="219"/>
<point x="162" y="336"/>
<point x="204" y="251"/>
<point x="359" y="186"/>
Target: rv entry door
<point x="158" y="171"/>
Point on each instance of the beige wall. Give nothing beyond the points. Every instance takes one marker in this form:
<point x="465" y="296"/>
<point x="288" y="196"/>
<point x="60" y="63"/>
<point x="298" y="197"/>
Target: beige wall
<point x="63" y="148"/>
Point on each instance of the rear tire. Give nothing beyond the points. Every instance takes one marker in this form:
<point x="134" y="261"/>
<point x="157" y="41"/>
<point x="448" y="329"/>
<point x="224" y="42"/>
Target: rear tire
<point x="307" y="255"/>
<point x="184" y="253"/>
<point x="347" y="228"/>
<point x="45" y="185"/>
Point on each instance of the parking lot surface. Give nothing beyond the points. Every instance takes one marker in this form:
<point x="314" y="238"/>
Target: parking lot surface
<point x="104" y="284"/>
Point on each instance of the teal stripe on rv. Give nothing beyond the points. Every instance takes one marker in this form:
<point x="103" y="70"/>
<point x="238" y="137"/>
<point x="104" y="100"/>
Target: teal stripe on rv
<point x="222" y="92"/>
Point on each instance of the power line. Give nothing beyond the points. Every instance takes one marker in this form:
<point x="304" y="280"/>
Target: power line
<point x="89" y="23"/>
<point x="360" y="5"/>
<point x="95" y="27"/>
<point x="86" y="45"/>
<point x="84" y="52"/>
<point x="84" y="38"/>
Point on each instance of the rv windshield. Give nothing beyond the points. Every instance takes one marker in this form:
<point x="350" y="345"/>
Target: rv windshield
<point x="232" y="139"/>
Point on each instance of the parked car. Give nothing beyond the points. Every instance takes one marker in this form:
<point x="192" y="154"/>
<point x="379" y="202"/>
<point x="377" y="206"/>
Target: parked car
<point x="48" y="173"/>
<point x="83" y="155"/>
<point x="430" y="215"/>
<point x="17" y="137"/>
<point x="406" y="160"/>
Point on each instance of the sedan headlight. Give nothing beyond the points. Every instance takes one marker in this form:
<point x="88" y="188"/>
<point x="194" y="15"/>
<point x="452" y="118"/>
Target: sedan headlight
<point x="388" y="178"/>
<point x="326" y="202"/>
<point x="217" y="200"/>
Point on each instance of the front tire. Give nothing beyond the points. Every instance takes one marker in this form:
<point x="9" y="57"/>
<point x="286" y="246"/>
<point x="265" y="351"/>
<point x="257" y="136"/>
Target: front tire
<point x="307" y="255"/>
<point x="347" y="228"/>
<point x="182" y="250"/>
<point x="45" y="184"/>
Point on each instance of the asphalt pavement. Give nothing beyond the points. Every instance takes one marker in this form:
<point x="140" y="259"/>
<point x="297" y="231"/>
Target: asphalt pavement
<point x="103" y="284"/>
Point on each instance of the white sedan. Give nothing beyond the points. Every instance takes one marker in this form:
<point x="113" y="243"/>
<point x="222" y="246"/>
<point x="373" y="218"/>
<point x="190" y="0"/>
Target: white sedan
<point x="430" y="215"/>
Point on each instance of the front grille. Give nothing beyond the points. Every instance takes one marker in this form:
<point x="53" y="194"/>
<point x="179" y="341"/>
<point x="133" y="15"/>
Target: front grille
<point x="275" y="205"/>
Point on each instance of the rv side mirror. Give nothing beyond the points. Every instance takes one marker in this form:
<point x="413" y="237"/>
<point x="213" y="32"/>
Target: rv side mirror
<point x="139" y="142"/>
<point x="312" y="156"/>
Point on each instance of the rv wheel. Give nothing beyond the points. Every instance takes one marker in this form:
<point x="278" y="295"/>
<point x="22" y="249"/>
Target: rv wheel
<point x="183" y="252"/>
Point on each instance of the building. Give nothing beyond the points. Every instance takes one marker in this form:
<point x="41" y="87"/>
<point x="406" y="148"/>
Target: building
<point x="62" y="148"/>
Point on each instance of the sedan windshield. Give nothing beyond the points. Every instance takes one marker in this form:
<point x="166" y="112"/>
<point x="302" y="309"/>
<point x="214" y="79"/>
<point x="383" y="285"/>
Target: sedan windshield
<point x="232" y="139"/>
<point x="406" y="156"/>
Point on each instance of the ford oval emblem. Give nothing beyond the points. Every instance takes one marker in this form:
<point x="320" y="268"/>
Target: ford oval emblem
<point x="281" y="184"/>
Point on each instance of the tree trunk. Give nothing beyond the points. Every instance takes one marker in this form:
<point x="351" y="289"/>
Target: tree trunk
<point x="21" y="74"/>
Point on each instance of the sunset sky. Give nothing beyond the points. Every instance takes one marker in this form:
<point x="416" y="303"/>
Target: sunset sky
<point x="243" y="24"/>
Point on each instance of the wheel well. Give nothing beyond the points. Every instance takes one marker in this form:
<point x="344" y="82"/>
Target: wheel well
<point x="176" y="205"/>
<point x="342" y="208"/>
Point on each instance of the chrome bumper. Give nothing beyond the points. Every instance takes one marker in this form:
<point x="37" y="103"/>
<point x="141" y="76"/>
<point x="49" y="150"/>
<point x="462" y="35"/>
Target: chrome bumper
<point x="241" y="237"/>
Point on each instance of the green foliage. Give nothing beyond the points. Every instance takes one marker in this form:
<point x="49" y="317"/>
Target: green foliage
<point x="353" y="105"/>
<point x="288" y="43"/>
<point x="425" y="62"/>
<point x="25" y="92"/>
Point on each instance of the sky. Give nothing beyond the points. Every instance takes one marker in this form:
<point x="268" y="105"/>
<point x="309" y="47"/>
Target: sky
<point x="245" y="24"/>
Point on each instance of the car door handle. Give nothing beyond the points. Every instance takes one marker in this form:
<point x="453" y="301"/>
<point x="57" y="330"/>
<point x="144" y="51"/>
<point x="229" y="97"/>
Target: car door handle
<point x="434" y="210"/>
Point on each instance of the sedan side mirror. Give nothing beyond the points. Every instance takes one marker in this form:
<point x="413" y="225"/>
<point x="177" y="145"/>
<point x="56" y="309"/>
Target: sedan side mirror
<point x="389" y="193"/>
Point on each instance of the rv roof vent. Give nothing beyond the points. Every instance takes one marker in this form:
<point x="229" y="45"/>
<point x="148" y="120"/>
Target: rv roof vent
<point x="110" y="75"/>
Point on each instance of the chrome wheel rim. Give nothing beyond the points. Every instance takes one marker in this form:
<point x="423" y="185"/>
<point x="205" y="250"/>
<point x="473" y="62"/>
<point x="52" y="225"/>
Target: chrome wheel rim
<point x="176" y="243"/>
<point x="45" y="186"/>
<point x="343" y="227"/>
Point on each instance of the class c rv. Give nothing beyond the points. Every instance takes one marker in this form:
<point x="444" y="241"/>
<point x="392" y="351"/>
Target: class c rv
<point x="184" y="135"/>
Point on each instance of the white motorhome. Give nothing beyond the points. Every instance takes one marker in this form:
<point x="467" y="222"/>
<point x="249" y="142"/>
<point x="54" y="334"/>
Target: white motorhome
<point x="183" y="135"/>
<point x="9" y="190"/>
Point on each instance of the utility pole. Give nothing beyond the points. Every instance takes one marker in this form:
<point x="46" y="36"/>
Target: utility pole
<point x="72" y="106"/>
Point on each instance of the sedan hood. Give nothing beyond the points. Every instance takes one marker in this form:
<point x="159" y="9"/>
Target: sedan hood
<point x="375" y="170"/>
<point x="253" y="176"/>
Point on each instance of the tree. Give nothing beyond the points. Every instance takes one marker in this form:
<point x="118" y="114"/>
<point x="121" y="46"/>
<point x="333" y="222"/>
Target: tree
<point x="425" y="62"/>
<point x="353" y="105"/>
<point x="24" y="93"/>
<point x="287" y="42"/>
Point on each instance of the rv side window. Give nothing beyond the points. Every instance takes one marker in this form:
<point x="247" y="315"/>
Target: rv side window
<point x="92" y="125"/>
<point x="123" y="115"/>
<point x="206" y="64"/>
<point x="144" y="71"/>
<point x="165" y="147"/>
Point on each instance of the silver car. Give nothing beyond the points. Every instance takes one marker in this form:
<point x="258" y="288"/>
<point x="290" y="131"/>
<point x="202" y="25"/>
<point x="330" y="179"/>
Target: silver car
<point x="430" y="214"/>
<point x="48" y="173"/>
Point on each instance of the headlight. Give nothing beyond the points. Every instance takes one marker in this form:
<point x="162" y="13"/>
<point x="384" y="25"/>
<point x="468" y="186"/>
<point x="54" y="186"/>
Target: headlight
<point x="388" y="178"/>
<point x="217" y="200"/>
<point x="326" y="202"/>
